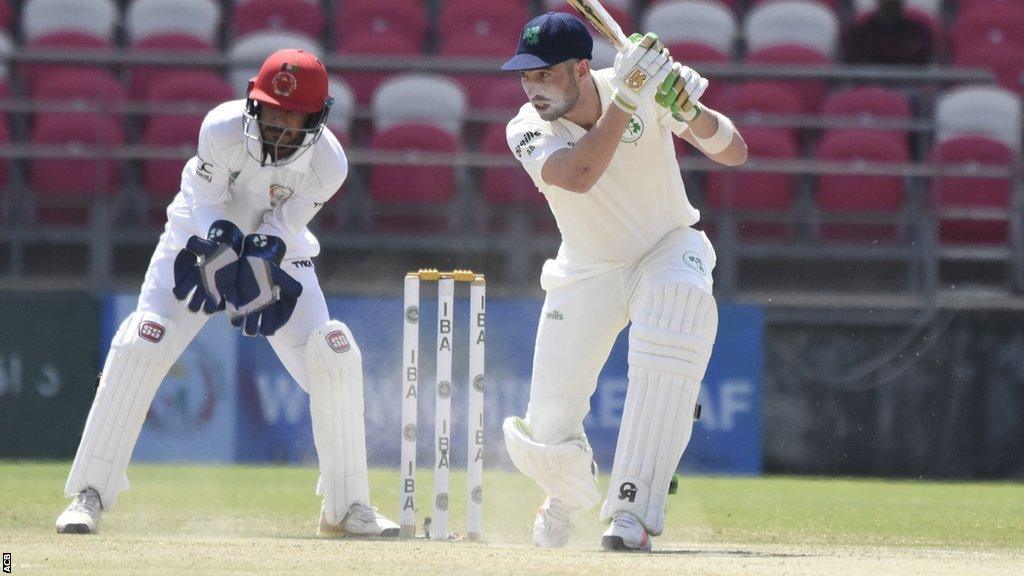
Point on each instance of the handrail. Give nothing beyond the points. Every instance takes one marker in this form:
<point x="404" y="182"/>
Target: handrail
<point x="364" y="156"/>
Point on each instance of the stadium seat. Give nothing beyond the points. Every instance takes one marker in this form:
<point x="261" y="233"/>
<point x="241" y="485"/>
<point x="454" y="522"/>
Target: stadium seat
<point x="161" y="178"/>
<point x="853" y="194"/>
<point x="997" y="24"/>
<point x="968" y="192"/>
<point x="811" y="92"/>
<point x="6" y="15"/>
<point x="438" y="101"/>
<point x="143" y="77"/>
<point x="792" y="23"/>
<point x="471" y="47"/>
<point x="62" y="42"/>
<point x="197" y="18"/>
<point x="302" y="16"/>
<point x="339" y="119"/>
<point x="871" y="106"/>
<point x="693" y="22"/>
<point x="741" y="191"/>
<point x="405" y="18"/>
<point x="505" y="95"/>
<point x="198" y="91"/>
<point x="932" y="8"/>
<point x="413" y="188"/>
<point x="390" y="46"/>
<point x="1006" y="62"/>
<point x="754" y="99"/>
<point x="464" y="19"/>
<point x="979" y="110"/>
<point x="506" y="186"/>
<point x="44" y="17"/>
<point x="622" y="15"/>
<point x="833" y="4"/>
<point x="248" y="52"/>
<point x="91" y="91"/>
<point x="65" y="187"/>
<point x="196" y="86"/>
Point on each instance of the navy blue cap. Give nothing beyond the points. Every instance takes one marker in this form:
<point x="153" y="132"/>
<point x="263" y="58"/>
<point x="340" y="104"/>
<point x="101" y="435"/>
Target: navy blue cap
<point x="550" y="39"/>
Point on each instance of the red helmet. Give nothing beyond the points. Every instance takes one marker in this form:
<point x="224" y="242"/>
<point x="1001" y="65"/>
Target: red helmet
<point x="291" y="80"/>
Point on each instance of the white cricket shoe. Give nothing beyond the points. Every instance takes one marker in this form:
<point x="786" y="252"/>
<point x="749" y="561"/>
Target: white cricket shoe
<point x="361" y="520"/>
<point x="627" y="534"/>
<point x="553" y="526"/>
<point x="82" y="516"/>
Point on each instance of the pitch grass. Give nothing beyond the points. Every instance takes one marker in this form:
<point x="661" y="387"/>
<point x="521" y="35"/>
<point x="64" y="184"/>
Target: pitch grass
<point x="261" y="520"/>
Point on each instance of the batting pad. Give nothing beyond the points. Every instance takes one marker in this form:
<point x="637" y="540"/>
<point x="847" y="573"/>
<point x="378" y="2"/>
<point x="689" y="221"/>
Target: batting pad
<point x="669" y="348"/>
<point x="141" y="353"/>
<point x="334" y="368"/>
<point x="566" y="471"/>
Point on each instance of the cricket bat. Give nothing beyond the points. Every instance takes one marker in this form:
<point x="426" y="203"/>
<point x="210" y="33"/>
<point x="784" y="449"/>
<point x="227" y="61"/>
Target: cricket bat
<point x="600" y="19"/>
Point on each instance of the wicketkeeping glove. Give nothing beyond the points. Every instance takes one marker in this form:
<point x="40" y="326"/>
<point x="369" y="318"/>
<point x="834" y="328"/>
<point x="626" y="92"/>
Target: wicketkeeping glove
<point x="683" y="84"/>
<point x="639" y="70"/>
<point x="197" y="265"/>
<point x="260" y="295"/>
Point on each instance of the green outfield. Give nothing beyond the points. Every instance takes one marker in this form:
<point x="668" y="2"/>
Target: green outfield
<point x="261" y="520"/>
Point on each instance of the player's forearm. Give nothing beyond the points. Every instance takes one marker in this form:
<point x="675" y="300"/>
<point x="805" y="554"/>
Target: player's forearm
<point x="708" y="130"/>
<point x="577" y="169"/>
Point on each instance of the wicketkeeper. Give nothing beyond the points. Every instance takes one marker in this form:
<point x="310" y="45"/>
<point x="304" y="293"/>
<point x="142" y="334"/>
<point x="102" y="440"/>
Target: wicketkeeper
<point x="599" y="145"/>
<point x="236" y="239"/>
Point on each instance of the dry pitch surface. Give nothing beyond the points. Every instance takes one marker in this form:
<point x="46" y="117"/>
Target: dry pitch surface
<point x="239" y="520"/>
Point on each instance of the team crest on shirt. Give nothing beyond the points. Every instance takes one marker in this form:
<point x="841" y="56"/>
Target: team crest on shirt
<point x="634" y="130"/>
<point x="278" y="194"/>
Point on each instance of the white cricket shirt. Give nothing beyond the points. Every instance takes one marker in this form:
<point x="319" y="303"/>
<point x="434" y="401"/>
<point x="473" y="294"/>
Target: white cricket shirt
<point x="639" y="198"/>
<point x="223" y="182"/>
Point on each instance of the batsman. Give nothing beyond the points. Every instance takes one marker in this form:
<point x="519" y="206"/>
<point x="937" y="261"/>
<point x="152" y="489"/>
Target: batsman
<point x="599" y="145"/>
<point x="236" y="240"/>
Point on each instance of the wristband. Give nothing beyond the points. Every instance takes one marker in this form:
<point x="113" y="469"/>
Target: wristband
<point x="720" y="140"/>
<point x="625" y="105"/>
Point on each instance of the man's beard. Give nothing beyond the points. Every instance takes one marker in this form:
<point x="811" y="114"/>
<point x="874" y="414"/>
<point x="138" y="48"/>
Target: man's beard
<point x="557" y="110"/>
<point x="278" y="147"/>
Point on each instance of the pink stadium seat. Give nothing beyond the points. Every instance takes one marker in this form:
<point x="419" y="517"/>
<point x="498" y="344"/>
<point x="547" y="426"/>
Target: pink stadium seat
<point x="1006" y="61"/>
<point x="61" y="41"/>
<point x="505" y="186"/>
<point x="966" y="192"/>
<point x="6" y="15"/>
<point x="469" y="46"/>
<point x="162" y="178"/>
<point x="143" y="77"/>
<point x="95" y="87"/>
<point x="506" y="95"/>
<point x="624" y="18"/>
<point x="305" y="16"/>
<point x="989" y="24"/>
<point x="197" y="86"/>
<point x="812" y="93"/>
<point x="762" y="191"/>
<point x="839" y="194"/>
<point x="461" y="19"/>
<point x="413" y="185"/>
<point x="764" y="98"/>
<point x="65" y="187"/>
<point x="398" y="18"/>
<point x="377" y="45"/>
<point x="869" y="104"/>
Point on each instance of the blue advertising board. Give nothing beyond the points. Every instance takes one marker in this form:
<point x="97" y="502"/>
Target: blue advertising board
<point x="262" y="415"/>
